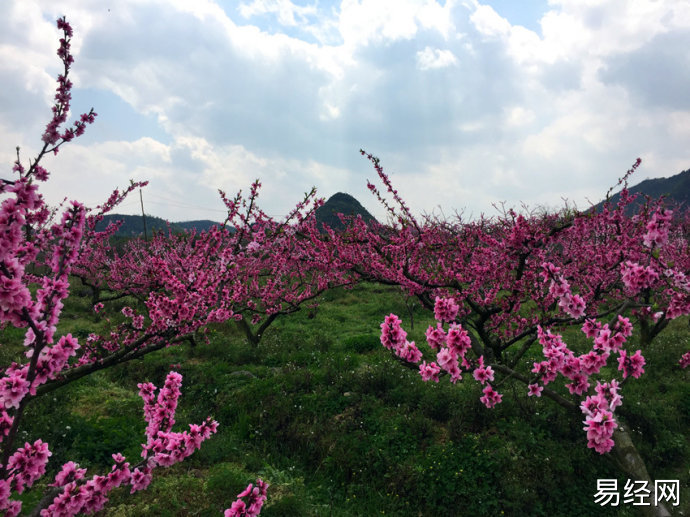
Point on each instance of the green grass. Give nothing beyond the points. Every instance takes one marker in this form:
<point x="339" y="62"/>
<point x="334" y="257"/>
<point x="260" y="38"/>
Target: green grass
<point x="338" y="427"/>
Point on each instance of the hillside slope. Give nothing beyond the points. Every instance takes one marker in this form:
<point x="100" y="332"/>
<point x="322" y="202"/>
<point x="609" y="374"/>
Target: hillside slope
<point x="344" y="204"/>
<point x="675" y="189"/>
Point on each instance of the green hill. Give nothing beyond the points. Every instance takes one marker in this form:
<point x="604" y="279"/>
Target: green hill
<point x="676" y="190"/>
<point x="341" y="203"/>
<point x="133" y="225"/>
<point x="200" y="225"/>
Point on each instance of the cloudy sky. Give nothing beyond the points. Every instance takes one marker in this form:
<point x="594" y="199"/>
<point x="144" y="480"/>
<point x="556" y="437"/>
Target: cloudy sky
<point x="467" y="103"/>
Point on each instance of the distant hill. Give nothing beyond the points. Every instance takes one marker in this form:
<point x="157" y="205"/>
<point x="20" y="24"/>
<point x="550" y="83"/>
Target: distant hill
<point x="676" y="189"/>
<point x="201" y="225"/>
<point x="133" y="226"/>
<point x="344" y="204"/>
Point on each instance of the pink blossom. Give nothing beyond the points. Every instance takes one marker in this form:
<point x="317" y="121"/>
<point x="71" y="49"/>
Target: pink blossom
<point x="429" y="371"/>
<point x="602" y="341"/>
<point x="560" y="288"/>
<point x="4" y="493"/>
<point x="490" y="397"/>
<point x="624" y="326"/>
<point x="592" y="362"/>
<point x="657" y="228"/>
<point x="599" y="430"/>
<point x="70" y="472"/>
<point x="573" y="305"/>
<point x="435" y="336"/>
<point x="445" y="309"/>
<point x="256" y="495"/>
<point x="55" y="249"/>
<point x="631" y="365"/>
<point x="579" y="385"/>
<point x="535" y="389"/>
<point x="591" y="327"/>
<point x="685" y="360"/>
<point x="140" y="479"/>
<point x="392" y="334"/>
<point x="608" y="393"/>
<point x="409" y="352"/>
<point x="5" y="424"/>
<point x="458" y="339"/>
<point x="29" y="464"/>
<point x="570" y="367"/>
<point x="13" y="388"/>
<point x="483" y="374"/>
<point x="637" y="277"/>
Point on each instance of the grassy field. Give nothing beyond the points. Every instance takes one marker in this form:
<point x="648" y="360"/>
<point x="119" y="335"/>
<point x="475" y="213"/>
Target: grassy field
<point x="338" y="428"/>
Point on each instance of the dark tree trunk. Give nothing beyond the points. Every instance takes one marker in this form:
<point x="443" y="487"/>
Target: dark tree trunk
<point x="626" y="458"/>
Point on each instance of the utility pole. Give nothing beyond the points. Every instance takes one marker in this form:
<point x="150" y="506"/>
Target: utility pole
<point x="143" y="215"/>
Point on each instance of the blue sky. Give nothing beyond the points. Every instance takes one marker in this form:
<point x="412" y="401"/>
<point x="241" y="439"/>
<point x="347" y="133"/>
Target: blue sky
<point x="468" y="104"/>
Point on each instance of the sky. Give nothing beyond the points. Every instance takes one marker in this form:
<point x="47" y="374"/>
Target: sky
<point x="470" y="105"/>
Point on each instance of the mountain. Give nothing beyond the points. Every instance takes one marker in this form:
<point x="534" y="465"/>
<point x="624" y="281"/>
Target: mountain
<point x="676" y="190"/>
<point x="200" y="226"/>
<point x="133" y="226"/>
<point x="344" y="204"/>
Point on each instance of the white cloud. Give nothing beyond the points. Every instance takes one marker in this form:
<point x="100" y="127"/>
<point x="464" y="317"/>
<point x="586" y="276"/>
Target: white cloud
<point x="430" y="58"/>
<point x="288" y="13"/>
<point x="488" y="22"/>
<point x="363" y="21"/>
<point x="519" y="116"/>
<point x="463" y="107"/>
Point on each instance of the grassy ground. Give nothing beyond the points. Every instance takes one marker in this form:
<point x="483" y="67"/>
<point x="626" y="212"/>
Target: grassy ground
<point x="338" y="428"/>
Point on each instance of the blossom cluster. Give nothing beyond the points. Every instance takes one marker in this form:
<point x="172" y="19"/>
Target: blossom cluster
<point x="51" y="361"/>
<point x="256" y="495"/>
<point x="63" y="97"/>
<point x="491" y="397"/>
<point x="658" y="228"/>
<point x="637" y="277"/>
<point x="451" y="346"/>
<point x="87" y="496"/>
<point x="679" y="298"/>
<point x="599" y="412"/>
<point x="167" y="447"/>
<point x="394" y="338"/>
<point x="445" y="309"/>
<point x="561" y="360"/>
<point x="572" y="304"/>
<point x="685" y="360"/>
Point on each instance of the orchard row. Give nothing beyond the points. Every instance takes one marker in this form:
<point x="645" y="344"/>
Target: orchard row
<point x="497" y="286"/>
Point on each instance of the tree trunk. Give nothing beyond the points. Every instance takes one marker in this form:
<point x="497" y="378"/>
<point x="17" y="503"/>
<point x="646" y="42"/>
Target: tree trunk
<point x="626" y="458"/>
<point x="95" y="294"/>
<point x="244" y="326"/>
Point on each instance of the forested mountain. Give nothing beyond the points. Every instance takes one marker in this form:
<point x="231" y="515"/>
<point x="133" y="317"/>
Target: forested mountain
<point x="344" y="204"/>
<point x="200" y="225"/>
<point x="133" y="225"/>
<point x="675" y="190"/>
